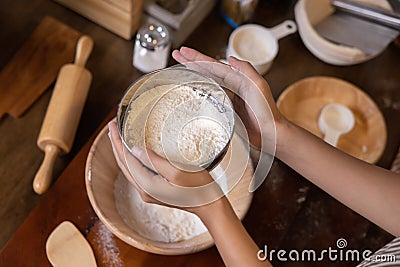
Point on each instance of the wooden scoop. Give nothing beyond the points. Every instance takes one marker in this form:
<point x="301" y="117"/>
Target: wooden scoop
<point x="67" y="247"/>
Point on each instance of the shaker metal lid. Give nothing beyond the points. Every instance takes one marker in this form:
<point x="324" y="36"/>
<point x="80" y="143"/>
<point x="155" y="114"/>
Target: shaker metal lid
<point x="152" y="36"/>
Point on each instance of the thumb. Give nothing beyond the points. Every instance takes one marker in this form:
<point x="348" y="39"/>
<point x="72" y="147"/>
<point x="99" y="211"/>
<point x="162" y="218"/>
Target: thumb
<point x="153" y="161"/>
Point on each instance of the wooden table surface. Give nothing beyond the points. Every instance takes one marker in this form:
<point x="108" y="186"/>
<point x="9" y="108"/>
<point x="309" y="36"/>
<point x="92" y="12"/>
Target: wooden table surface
<point x="287" y="211"/>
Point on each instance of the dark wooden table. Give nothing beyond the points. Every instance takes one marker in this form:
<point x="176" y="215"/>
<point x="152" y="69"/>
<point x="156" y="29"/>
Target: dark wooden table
<point x="287" y="211"/>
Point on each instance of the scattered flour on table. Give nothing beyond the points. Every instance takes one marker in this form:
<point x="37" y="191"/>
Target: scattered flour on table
<point x="153" y="221"/>
<point x="109" y="251"/>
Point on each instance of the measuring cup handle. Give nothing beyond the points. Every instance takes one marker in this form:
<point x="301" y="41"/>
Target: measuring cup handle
<point x="284" y="29"/>
<point x="332" y="137"/>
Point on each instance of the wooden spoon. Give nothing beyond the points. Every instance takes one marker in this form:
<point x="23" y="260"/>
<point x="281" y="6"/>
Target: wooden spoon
<point x="66" y="246"/>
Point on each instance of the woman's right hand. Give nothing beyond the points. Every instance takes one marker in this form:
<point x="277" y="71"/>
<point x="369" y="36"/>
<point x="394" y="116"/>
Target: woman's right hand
<point x="251" y="96"/>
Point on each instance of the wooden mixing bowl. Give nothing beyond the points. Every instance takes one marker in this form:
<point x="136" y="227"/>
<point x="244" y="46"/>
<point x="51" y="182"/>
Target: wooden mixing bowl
<point x="102" y="170"/>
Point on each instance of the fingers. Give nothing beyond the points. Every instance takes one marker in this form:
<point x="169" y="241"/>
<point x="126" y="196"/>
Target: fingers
<point x="176" y="54"/>
<point x="194" y="60"/>
<point x="129" y="165"/>
<point x="116" y="144"/>
<point x="142" y="159"/>
<point x="153" y="161"/>
<point x="185" y="54"/>
<point x="221" y="72"/>
<point x="247" y="69"/>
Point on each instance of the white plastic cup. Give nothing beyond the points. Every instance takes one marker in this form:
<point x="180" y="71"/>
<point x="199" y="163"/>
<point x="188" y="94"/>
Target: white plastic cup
<point x="335" y="120"/>
<point x="257" y="44"/>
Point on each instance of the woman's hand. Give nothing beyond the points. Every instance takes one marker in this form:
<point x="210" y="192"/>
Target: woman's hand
<point x="145" y="160"/>
<point x="252" y="96"/>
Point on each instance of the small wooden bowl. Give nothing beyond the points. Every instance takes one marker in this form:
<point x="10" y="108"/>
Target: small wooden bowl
<point x="102" y="170"/>
<point x="303" y="101"/>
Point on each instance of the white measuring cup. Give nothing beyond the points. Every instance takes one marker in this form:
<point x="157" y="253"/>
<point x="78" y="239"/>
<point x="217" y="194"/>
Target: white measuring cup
<point x="258" y="44"/>
<point x="334" y="121"/>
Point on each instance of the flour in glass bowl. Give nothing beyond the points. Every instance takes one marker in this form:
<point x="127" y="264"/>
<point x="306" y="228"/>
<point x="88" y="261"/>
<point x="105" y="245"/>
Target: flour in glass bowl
<point x="178" y="124"/>
<point x="153" y="221"/>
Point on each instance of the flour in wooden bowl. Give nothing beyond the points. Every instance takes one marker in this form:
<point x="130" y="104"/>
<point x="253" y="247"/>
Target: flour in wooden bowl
<point x="153" y="221"/>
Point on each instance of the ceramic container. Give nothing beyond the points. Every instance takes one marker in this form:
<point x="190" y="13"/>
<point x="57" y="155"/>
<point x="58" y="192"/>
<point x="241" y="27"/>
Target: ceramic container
<point x="309" y="13"/>
<point x="258" y="44"/>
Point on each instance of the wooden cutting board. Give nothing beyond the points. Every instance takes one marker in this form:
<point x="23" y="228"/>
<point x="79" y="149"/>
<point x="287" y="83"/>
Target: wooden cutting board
<point x="109" y="250"/>
<point x="274" y="208"/>
<point x="35" y="66"/>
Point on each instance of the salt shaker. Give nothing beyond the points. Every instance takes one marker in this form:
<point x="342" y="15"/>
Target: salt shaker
<point x="152" y="47"/>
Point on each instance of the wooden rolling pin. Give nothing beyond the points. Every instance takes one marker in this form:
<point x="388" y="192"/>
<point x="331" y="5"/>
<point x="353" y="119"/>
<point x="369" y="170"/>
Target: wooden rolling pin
<point x="63" y="113"/>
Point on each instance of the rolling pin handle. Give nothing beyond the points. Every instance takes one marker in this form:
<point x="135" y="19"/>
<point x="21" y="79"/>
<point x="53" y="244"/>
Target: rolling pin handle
<point x="83" y="50"/>
<point x="44" y="175"/>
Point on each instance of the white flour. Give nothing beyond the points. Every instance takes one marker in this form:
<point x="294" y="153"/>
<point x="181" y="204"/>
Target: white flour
<point x="252" y="47"/>
<point x="153" y="221"/>
<point x="110" y="251"/>
<point x="179" y="125"/>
